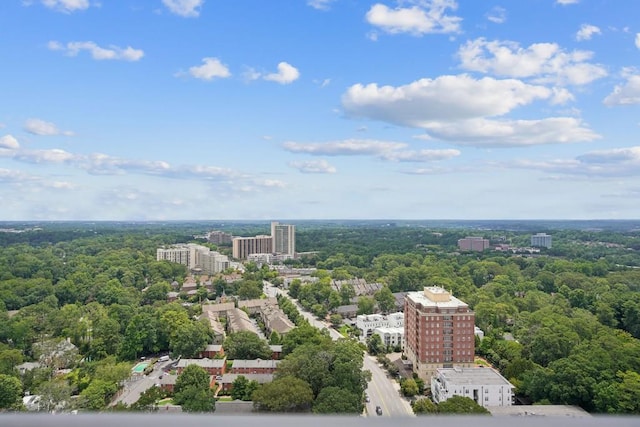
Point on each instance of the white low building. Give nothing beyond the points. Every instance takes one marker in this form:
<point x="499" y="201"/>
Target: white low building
<point x="367" y="323"/>
<point x="484" y="385"/>
<point x="391" y="337"/>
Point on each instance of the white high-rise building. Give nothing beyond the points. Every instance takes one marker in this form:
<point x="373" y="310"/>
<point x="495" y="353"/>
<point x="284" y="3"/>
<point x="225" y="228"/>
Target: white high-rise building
<point x="284" y="238"/>
<point x="541" y="240"/>
<point x="194" y="256"/>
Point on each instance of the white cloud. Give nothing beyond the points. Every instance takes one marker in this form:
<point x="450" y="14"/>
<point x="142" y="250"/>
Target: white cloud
<point x="66" y="6"/>
<point x="212" y="68"/>
<point x="451" y="97"/>
<point x="13" y="176"/>
<point x="587" y="31"/>
<point x="320" y="4"/>
<point x="348" y="147"/>
<point x="59" y="185"/>
<point x="97" y="52"/>
<point x="419" y="156"/>
<point x="461" y="110"/>
<point x="286" y="74"/>
<point x="512" y="133"/>
<point x="384" y="150"/>
<point x="638" y="40"/>
<point x="9" y="142"/>
<point x="546" y="62"/>
<point x="186" y="8"/>
<point x="625" y="94"/>
<point x="312" y="166"/>
<point x="45" y="156"/>
<point x="423" y="17"/>
<point x="565" y="2"/>
<point x="42" y="128"/>
<point x="612" y="163"/>
<point x="497" y="15"/>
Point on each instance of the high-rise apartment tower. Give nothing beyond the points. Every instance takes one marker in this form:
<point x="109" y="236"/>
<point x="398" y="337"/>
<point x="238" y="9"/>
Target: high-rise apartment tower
<point x="438" y="330"/>
<point x="284" y="238"/>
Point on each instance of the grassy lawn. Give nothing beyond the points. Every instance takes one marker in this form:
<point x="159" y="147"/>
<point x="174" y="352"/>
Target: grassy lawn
<point x="167" y="401"/>
<point x="481" y="361"/>
<point x="225" y="399"/>
<point x="344" y="330"/>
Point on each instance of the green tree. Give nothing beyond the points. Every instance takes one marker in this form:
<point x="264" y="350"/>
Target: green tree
<point x="424" y="406"/>
<point x="148" y="401"/>
<point x="54" y="395"/>
<point x="239" y="387"/>
<point x="249" y="289"/>
<point x="629" y="392"/>
<point x="303" y="334"/>
<point x="346" y="293"/>
<point x="192" y="390"/>
<point x="375" y="345"/>
<point x="385" y="299"/>
<point x="288" y="394"/>
<point x="246" y="345"/>
<point x="242" y="388"/>
<point x="10" y="392"/>
<point x="189" y="339"/>
<point x="336" y="320"/>
<point x="311" y="363"/>
<point x="366" y="305"/>
<point x="409" y="387"/>
<point x="460" y="405"/>
<point x="96" y="396"/>
<point x="9" y="359"/>
<point x="275" y="338"/>
<point x="335" y="400"/>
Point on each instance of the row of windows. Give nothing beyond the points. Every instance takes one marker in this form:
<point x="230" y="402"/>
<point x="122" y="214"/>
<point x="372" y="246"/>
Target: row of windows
<point x="448" y="317"/>
<point x="450" y="352"/>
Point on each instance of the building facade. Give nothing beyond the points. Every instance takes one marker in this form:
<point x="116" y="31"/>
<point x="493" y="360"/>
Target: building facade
<point x="367" y="323"/>
<point x="438" y="331"/>
<point x="541" y="240"/>
<point x="284" y="238"/>
<point x="391" y="337"/>
<point x="194" y="257"/>
<point x="484" y="385"/>
<point x="245" y="246"/>
<point x="219" y="237"/>
<point x="478" y="244"/>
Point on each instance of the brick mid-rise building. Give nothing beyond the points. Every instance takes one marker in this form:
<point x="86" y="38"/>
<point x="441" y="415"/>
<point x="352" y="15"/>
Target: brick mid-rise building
<point x="439" y="331"/>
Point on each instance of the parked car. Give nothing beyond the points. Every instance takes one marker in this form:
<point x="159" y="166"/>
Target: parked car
<point x="378" y="410"/>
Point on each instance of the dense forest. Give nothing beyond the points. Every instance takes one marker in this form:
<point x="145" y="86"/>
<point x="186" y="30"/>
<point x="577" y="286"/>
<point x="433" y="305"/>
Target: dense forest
<point x="563" y="325"/>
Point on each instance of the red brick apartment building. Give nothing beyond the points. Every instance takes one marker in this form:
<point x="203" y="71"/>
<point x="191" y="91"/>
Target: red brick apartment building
<point x="438" y="330"/>
<point x="214" y="367"/>
<point x="257" y="366"/>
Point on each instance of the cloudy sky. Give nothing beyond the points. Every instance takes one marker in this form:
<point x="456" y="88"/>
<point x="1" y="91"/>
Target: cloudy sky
<point x="319" y="109"/>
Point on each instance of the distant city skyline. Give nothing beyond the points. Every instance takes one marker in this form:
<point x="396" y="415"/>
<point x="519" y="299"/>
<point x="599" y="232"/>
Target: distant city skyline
<point x="319" y="109"/>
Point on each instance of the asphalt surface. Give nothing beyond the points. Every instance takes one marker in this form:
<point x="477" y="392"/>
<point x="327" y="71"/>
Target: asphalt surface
<point x="382" y="390"/>
<point x="136" y="385"/>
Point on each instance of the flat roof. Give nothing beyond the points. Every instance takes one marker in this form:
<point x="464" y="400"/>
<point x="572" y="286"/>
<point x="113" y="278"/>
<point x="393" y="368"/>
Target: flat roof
<point x="421" y="298"/>
<point x="472" y="376"/>
<point x="538" y="411"/>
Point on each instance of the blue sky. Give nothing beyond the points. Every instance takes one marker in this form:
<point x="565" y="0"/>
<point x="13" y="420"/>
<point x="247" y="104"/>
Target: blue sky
<point x="319" y="109"/>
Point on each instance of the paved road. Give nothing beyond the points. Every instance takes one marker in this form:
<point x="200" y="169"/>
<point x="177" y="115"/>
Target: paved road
<point x="384" y="392"/>
<point x="137" y="385"/>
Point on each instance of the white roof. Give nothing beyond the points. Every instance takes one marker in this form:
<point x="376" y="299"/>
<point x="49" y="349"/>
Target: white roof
<point x="472" y="376"/>
<point x="449" y="302"/>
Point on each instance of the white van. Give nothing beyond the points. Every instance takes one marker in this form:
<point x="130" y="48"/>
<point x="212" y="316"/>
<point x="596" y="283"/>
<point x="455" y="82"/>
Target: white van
<point x="163" y="358"/>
